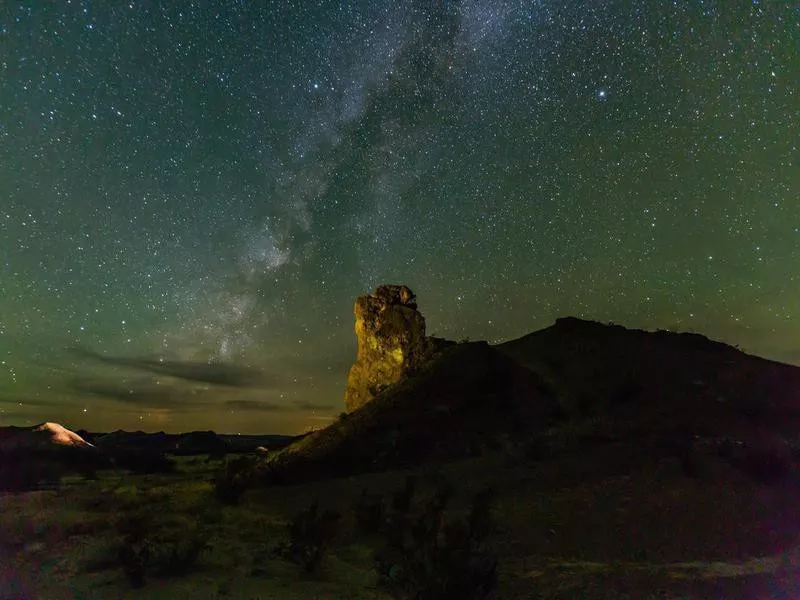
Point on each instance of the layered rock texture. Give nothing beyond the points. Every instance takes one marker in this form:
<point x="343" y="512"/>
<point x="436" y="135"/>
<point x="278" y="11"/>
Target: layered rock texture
<point x="391" y="342"/>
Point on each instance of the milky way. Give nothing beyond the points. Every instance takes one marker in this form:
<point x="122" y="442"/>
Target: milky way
<point x="193" y="194"/>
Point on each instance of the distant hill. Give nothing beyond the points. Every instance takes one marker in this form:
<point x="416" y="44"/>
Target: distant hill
<point x="49" y="435"/>
<point x="36" y="457"/>
<point x="194" y="442"/>
<point x="249" y="443"/>
<point x="570" y="387"/>
<point x="39" y="437"/>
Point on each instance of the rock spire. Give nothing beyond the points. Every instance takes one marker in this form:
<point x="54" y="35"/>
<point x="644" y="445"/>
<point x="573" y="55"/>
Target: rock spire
<point x="391" y="342"/>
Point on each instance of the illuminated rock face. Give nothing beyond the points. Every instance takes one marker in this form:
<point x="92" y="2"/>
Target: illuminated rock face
<point x="391" y="342"/>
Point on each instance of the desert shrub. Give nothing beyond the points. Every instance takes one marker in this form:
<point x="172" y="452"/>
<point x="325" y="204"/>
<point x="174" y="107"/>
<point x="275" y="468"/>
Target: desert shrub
<point x="517" y="452"/>
<point x="89" y="474"/>
<point x="133" y="556"/>
<point x="217" y="455"/>
<point x="105" y="558"/>
<point x="537" y="449"/>
<point x="628" y="393"/>
<point x="395" y="520"/>
<point x="143" y="550"/>
<point x="436" y="560"/>
<point x="133" y="553"/>
<point x="232" y="480"/>
<point x="479" y="520"/>
<point x="766" y="466"/>
<point x="310" y="535"/>
<point x="81" y="524"/>
<point x="176" y="557"/>
<point x="135" y="525"/>
<point x="144" y="463"/>
<point x="260" y="556"/>
<point x="23" y="475"/>
<point x="370" y="513"/>
<point x="403" y="499"/>
<point x="102" y="501"/>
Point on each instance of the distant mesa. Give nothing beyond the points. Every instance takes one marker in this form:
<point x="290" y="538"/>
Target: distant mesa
<point x="391" y="343"/>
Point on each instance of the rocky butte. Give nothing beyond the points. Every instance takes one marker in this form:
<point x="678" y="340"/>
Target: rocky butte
<point x="391" y="342"/>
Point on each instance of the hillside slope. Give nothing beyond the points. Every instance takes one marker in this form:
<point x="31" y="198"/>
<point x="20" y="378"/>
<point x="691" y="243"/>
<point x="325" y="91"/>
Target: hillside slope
<point x="469" y="399"/>
<point x="567" y="388"/>
<point x="662" y="381"/>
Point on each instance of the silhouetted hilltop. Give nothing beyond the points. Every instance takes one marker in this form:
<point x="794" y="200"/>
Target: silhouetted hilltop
<point x="682" y="379"/>
<point x="571" y="387"/>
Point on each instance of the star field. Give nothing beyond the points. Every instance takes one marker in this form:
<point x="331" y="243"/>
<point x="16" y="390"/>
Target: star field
<point x="193" y="194"/>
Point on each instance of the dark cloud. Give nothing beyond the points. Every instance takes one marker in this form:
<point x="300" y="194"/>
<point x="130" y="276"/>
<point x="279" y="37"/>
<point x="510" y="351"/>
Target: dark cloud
<point x="253" y="405"/>
<point x="334" y="362"/>
<point x="267" y="406"/>
<point x="206" y="372"/>
<point x="306" y="405"/>
<point x="26" y="400"/>
<point x="141" y="393"/>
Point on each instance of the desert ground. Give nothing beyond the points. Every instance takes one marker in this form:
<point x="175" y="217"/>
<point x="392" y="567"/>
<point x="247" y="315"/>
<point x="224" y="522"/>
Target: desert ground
<point x="617" y="526"/>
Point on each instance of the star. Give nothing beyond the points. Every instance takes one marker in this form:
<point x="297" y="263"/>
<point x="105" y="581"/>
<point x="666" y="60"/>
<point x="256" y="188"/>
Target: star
<point x="173" y="200"/>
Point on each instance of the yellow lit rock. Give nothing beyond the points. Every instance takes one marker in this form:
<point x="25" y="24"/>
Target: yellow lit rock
<point x="397" y="354"/>
<point x="391" y="342"/>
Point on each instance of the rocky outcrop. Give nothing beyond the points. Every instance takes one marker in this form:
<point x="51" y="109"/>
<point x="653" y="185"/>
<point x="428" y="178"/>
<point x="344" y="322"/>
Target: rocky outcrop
<point x="391" y="342"/>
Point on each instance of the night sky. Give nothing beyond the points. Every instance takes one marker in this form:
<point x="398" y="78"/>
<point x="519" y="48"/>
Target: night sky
<point x="192" y="194"/>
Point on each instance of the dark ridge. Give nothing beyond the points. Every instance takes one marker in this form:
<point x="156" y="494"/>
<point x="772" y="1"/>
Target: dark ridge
<point x="570" y="387"/>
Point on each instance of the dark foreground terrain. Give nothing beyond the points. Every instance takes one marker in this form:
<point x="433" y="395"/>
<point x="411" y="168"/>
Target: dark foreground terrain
<point x="581" y="461"/>
<point x="617" y="526"/>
